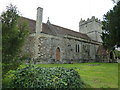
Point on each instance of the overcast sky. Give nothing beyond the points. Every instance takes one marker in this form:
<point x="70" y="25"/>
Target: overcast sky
<point x="65" y="13"/>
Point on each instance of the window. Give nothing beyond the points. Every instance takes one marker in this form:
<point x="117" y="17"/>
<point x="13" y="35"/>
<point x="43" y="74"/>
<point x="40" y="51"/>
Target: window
<point x="77" y="48"/>
<point x="39" y="47"/>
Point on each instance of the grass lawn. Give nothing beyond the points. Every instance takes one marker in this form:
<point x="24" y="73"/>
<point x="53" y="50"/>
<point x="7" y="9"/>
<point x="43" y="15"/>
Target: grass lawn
<point x="95" y="75"/>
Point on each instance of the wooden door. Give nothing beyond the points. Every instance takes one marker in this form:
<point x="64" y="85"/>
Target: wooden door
<point x="58" y="53"/>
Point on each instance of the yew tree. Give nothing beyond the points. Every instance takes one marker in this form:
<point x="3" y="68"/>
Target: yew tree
<point x="111" y="28"/>
<point x="14" y="32"/>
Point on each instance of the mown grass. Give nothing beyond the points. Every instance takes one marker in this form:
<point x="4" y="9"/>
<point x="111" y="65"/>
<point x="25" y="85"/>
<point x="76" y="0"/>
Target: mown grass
<point x="119" y="75"/>
<point x="96" y="75"/>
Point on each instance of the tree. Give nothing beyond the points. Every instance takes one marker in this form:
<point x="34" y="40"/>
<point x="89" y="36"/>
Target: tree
<point x="115" y="1"/>
<point x="14" y="32"/>
<point x="111" y="28"/>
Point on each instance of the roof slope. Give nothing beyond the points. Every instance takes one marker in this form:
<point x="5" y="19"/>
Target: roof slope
<point x="55" y="30"/>
<point x="31" y="24"/>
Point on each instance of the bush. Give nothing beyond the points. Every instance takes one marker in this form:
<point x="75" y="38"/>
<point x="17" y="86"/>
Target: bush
<point x="9" y="66"/>
<point x="117" y="53"/>
<point x="40" y="77"/>
<point x="7" y="80"/>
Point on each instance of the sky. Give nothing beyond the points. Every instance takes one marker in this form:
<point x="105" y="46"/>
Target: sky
<point x="65" y="13"/>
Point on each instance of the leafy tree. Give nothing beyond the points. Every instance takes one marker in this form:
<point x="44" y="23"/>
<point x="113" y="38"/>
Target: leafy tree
<point x="111" y="28"/>
<point x="115" y="1"/>
<point x="117" y="54"/>
<point x="14" y="32"/>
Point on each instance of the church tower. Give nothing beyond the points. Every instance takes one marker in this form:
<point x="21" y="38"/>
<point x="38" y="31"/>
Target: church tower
<point x="92" y="27"/>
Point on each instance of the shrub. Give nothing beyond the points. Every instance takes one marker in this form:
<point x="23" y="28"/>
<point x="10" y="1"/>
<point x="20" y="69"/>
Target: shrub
<point x="7" y="80"/>
<point x="9" y="66"/>
<point x="40" y="77"/>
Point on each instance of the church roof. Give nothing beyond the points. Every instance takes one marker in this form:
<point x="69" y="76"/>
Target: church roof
<point x="55" y="30"/>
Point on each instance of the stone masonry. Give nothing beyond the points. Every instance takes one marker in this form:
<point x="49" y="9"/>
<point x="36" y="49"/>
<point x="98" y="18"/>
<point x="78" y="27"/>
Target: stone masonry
<point x="48" y="43"/>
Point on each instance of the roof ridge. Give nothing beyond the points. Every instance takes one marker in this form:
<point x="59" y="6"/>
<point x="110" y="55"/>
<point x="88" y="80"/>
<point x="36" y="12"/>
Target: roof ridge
<point x="57" y="30"/>
<point x="57" y="26"/>
<point x="70" y="29"/>
<point x="29" y="19"/>
<point x="64" y="28"/>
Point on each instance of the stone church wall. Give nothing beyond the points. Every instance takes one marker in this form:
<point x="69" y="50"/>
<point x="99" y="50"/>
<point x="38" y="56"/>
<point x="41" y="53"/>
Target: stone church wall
<point x="27" y="49"/>
<point x="71" y="50"/>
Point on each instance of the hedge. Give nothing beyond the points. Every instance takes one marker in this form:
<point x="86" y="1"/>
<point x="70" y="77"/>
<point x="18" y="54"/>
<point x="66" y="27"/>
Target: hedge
<point x="41" y="77"/>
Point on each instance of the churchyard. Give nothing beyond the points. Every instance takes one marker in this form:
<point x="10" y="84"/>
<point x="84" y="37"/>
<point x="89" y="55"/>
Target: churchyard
<point x="94" y="75"/>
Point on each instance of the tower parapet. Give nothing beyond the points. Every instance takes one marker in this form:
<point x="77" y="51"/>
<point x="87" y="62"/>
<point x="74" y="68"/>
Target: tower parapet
<point x="92" y="27"/>
<point x="82" y="22"/>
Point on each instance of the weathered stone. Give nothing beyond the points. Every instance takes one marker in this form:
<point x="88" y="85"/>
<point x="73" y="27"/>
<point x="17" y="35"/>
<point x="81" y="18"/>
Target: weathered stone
<point x="55" y="44"/>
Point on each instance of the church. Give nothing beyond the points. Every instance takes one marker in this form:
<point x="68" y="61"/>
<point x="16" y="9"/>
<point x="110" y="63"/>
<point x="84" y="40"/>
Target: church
<point x="49" y="43"/>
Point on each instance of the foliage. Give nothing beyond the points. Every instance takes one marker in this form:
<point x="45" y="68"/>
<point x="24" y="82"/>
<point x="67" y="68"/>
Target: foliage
<point x="111" y="28"/>
<point x="7" y="80"/>
<point x="115" y="1"/>
<point x="95" y="75"/>
<point x="9" y="66"/>
<point x="14" y="31"/>
<point x="117" y="53"/>
<point x="41" y="77"/>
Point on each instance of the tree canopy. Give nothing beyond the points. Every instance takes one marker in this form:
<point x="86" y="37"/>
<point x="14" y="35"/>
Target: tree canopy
<point x="111" y="28"/>
<point x="14" y="31"/>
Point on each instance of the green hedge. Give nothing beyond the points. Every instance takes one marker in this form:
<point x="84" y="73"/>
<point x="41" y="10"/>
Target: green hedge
<point x="40" y="77"/>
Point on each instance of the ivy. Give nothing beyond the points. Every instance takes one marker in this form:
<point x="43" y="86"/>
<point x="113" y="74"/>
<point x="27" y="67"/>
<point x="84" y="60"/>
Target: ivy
<point x="41" y="77"/>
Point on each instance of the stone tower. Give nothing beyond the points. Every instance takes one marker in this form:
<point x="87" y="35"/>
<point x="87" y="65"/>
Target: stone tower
<point x="92" y="27"/>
